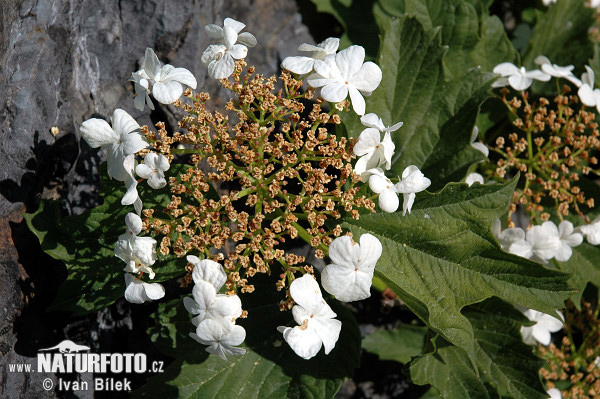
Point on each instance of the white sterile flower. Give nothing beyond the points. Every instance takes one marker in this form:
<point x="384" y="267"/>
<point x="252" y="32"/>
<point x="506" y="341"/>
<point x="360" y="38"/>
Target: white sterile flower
<point x="207" y="304"/>
<point x="544" y="240"/>
<point x="568" y="238"/>
<point x="303" y="65"/>
<point x="473" y="178"/>
<point x="345" y="73"/>
<point x="587" y="94"/>
<point x="142" y="90"/>
<point x="350" y="274"/>
<point x="565" y="72"/>
<point x="478" y="145"/>
<point x="379" y="184"/>
<point x="139" y="253"/>
<point x="413" y="181"/>
<point x="220" y="337"/>
<point x="509" y="236"/>
<point x="131" y="195"/>
<point x="207" y="270"/>
<point x="219" y="58"/>
<point x="317" y="326"/>
<point x="137" y="291"/>
<point x="591" y="231"/>
<point x="373" y="151"/>
<point x="153" y="169"/>
<point x="540" y="332"/>
<point x="118" y="140"/>
<point x="168" y="80"/>
<point x="517" y="78"/>
<point x="554" y="393"/>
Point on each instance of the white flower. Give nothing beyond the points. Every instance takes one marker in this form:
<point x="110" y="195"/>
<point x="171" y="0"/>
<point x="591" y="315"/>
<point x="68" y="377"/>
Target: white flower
<point x="476" y="144"/>
<point x="350" y="274"/>
<point x="379" y="184"/>
<point x="540" y="332"/>
<point x="509" y="236"/>
<point x="153" y="169"/>
<point x="139" y="253"/>
<point x="557" y="71"/>
<point x="131" y="195"/>
<point x="303" y="65"/>
<point x="517" y="78"/>
<point x="118" y="140"/>
<point x="167" y="80"/>
<point x="221" y="338"/>
<point x="591" y="231"/>
<point x="207" y="270"/>
<point x="544" y="240"/>
<point x="587" y="94"/>
<point x="219" y="58"/>
<point x="568" y="238"/>
<point x="473" y="178"/>
<point x="413" y="181"/>
<point x="137" y="291"/>
<point x="207" y="304"/>
<point x="142" y="90"/>
<point x="345" y="73"/>
<point x="373" y="151"/>
<point x="317" y="326"/>
<point x="554" y="393"/>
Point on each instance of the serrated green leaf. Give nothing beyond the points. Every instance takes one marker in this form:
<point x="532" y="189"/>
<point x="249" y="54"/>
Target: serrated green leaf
<point x="507" y="367"/>
<point x="269" y="369"/>
<point x="85" y="243"/>
<point x="399" y="344"/>
<point x="445" y="257"/>
<point x="563" y="26"/>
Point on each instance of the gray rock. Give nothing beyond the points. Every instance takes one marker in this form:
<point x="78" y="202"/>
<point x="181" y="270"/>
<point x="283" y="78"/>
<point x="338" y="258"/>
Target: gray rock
<point x="62" y="62"/>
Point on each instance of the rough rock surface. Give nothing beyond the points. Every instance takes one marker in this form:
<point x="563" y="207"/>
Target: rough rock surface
<point x="62" y="62"/>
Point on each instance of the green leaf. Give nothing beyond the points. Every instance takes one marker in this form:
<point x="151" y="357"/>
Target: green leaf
<point x="399" y="344"/>
<point x="269" y="369"/>
<point x="584" y="265"/>
<point x="504" y="362"/>
<point x="444" y="257"/>
<point x="85" y="243"/>
<point x="563" y="26"/>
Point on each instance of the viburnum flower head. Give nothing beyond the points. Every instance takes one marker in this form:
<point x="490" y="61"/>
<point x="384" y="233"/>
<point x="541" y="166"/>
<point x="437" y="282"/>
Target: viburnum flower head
<point x="591" y="231"/>
<point x="349" y="275"/>
<point x="153" y="169"/>
<point x="557" y="71"/>
<point x="221" y="337"/>
<point x="231" y="44"/>
<point x="542" y="329"/>
<point x="303" y="65"/>
<point x="137" y="291"/>
<point x="167" y="81"/>
<point x="517" y="78"/>
<point x="139" y="253"/>
<point x="413" y="181"/>
<point x="317" y="326"/>
<point x="118" y="139"/>
<point x="373" y="151"/>
<point x="345" y="73"/>
<point x="379" y="184"/>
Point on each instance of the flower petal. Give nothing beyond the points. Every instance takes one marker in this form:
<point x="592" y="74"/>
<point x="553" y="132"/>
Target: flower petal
<point x="300" y="65"/>
<point x="305" y="342"/>
<point x="97" y="132"/>
<point x="247" y="39"/>
<point x="334" y="92"/>
<point x="343" y="253"/>
<point x="305" y="292"/>
<point x="221" y="69"/>
<point x="167" y="92"/>
<point x="180" y="75"/>
<point x="151" y="63"/>
<point x="358" y="102"/>
<point x="349" y="61"/>
<point x="368" y="78"/>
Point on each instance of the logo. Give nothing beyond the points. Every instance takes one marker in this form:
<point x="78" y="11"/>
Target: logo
<point x="67" y="346"/>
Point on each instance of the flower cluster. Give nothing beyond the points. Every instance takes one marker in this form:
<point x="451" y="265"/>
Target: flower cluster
<point x="263" y="175"/>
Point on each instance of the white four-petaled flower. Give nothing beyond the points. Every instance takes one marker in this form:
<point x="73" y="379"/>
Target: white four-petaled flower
<point x="517" y="78"/>
<point x="373" y="151"/>
<point x="303" y="65"/>
<point x="542" y="329"/>
<point x="413" y="181"/>
<point x="568" y="238"/>
<point x="221" y="338"/>
<point x="591" y="231"/>
<point x="231" y="44"/>
<point x="153" y="169"/>
<point x="379" y="184"/>
<point x="346" y="73"/>
<point x="119" y="140"/>
<point x="317" y="326"/>
<point x="565" y="72"/>
<point x="167" y="81"/>
<point x="139" y="253"/>
<point x="587" y="94"/>
<point x="349" y="275"/>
